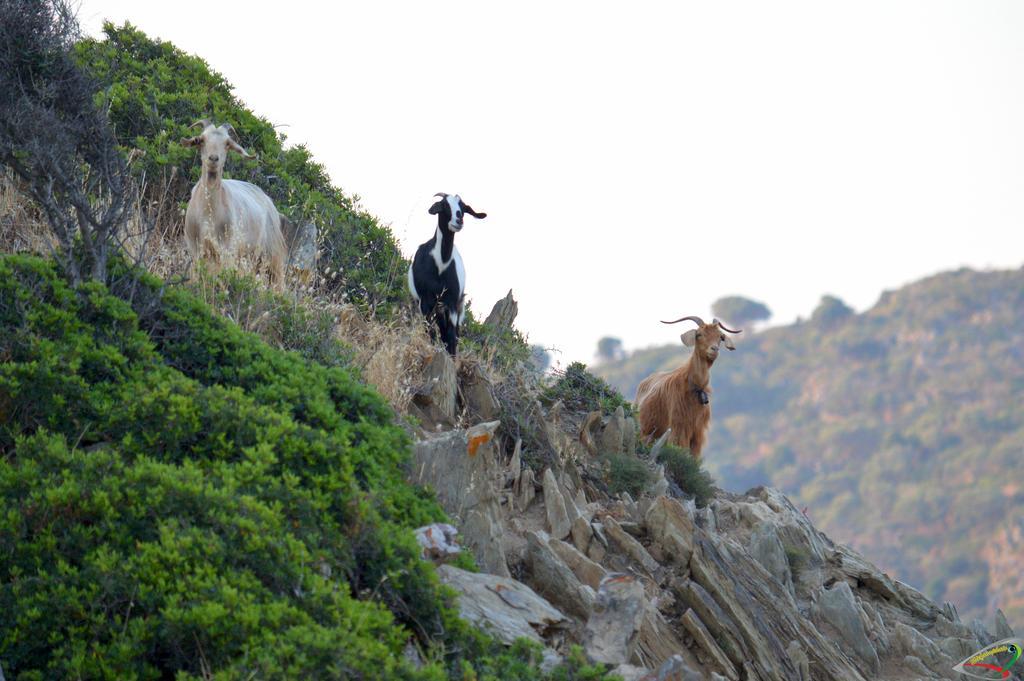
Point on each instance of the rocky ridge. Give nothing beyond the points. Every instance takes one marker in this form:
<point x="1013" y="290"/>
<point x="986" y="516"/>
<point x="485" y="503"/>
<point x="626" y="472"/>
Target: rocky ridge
<point x="744" y="589"/>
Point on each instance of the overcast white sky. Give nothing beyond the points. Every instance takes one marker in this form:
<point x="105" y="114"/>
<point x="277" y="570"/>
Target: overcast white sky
<point x="640" y="160"/>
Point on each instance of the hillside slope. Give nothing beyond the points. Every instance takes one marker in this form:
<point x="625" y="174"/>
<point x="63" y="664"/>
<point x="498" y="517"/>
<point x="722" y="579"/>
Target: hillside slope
<point x="897" y="428"/>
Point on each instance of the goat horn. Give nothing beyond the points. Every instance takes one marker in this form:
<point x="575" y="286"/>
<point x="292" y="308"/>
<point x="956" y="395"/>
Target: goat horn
<point x="441" y="194"/>
<point x="692" y="318"/>
<point x="202" y="123"/>
<point x="723" y="327"/>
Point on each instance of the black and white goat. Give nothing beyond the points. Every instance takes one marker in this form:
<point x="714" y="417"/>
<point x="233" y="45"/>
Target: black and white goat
<point x="437" y="277"/>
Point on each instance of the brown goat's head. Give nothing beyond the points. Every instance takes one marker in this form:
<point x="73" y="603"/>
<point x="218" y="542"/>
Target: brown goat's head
<point x="214" y="142"/>
<point x="706" y="338"/>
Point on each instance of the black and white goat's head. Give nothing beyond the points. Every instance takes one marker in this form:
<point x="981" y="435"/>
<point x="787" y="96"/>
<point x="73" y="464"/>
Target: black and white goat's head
<point x="450" y="210"/>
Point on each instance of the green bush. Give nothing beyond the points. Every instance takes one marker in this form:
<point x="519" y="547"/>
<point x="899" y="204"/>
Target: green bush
<point x="627" y="473"/>
<point x="180" y="500"/>
<point x="154" y="92"/>
<point x="581" y="390"/>
<point x="687" y="472"/>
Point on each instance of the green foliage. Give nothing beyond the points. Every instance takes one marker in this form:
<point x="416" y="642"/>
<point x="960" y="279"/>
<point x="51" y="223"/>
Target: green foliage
<point x="179" y="499"/>
<point x="797" y="558"/>
<point x="581" y="390"/>
<point x="894" y="427"/>
<point x="504" y="349"/>
<point x="154" y="92"/>
<point x="285" y="321"/>
<point x="687" y="472"/>
<point x="626" y="473"/>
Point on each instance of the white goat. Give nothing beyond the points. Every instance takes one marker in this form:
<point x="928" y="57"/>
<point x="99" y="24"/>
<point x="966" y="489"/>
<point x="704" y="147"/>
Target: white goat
<point x="231" y="220"/>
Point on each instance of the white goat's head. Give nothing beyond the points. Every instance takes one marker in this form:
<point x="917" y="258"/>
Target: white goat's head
<point x="214" y="143"/>
<point x="706" y="338"/>
<point x="450" y="211"/>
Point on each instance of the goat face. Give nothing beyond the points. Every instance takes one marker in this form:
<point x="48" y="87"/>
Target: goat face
<point x="214" y="143"/>
<point x="706" y="339"/>
<point x="451" y="209"/>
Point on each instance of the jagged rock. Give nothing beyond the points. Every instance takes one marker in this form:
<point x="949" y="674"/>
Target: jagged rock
<point x="435" y="392"/>
<point x="838" y="607"/>
<point x="503" y="314"/>
<point x="706" y="641"/>
<point x="630" y="546"/>
<point x="549" y="660"/>
<point x="915" y="665"/>
<point x="657" y="640"/>
<point x="799" y="659"/>
<point x="507" y="608"/>
<point x="763" y="615"/>
<point x="671" y="528"/>
<point x="476" y="391"/>
<point x="1003" y="629"/>
<point x="554" y="507"/>
<point x="590" y="431"/>
<point x="581" y="533"/>
<point x="949" y="610"/>
<point x="659" y="444"/>
<point x="461" y="466"/>
<point x="612" y="434"/>
<point x="515" y="465"/>
<point x="555" y="580"/>
<point x="659" y="487"/>
<point x="438" y="541"/>
<point x="766" y="547"/>
<point x="411" y="654"/>
<point x="525" y="490"/>
<point x="981" y="633"/>
<point x="611" y="631"/>
<point x="586" y="570"/>
<point x="912" y="642"/>
<point x="629" y="672"/>
<point x="675" y="668"/>
<point x="957" y="648"/>
<point x="629" y="436"/>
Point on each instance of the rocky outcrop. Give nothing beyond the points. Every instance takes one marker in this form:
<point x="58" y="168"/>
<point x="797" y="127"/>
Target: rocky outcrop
<point x="745" y="589"/>
<point x="507" y="608"/>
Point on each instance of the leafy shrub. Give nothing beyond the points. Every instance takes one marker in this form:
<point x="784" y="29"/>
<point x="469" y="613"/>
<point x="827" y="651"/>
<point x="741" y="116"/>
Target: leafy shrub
<point x="627" y="474"/>
<point x="154" y="92"/>
<point x="797" y="559"/>
<point x="178" y="499"/>
<point x="688" y="473"/>
<point x="581" y="390"/>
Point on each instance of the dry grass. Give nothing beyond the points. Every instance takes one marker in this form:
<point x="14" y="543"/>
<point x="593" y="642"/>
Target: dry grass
<point x="23" y="227"/>
<point x="391" y="355"/>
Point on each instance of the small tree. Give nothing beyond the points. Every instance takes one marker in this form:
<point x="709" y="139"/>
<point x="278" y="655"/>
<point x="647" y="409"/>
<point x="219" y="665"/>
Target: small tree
<point x="740" y="311"/>
<point x="55" y="139"/>
<point x="831" y="310"/>
<point x="609" y="349"/>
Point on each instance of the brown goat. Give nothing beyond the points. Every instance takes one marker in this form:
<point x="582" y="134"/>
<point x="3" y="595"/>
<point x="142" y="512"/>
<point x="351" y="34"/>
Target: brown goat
<point x="680" y="399"/>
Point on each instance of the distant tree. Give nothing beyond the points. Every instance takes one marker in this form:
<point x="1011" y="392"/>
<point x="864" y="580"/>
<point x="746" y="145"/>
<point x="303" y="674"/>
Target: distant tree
<point x="740" y="311"/>
<point x="56" y="140"/>
<point x="830" y="311"/>
<point x="610" y="349"/>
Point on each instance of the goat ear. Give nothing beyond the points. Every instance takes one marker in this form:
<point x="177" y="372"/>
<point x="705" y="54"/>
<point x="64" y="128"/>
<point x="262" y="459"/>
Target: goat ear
<point x="435" y="209"/>
<point x="232" y="144"/>
<point x="689" y="338"/>
<point x="468" y="209"/>
<point x="728" y="343"/>
<point x="191" y="141"/>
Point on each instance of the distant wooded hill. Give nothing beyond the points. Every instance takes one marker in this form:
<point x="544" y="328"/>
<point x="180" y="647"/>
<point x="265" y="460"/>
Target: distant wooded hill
<point x="900" y="429"/>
